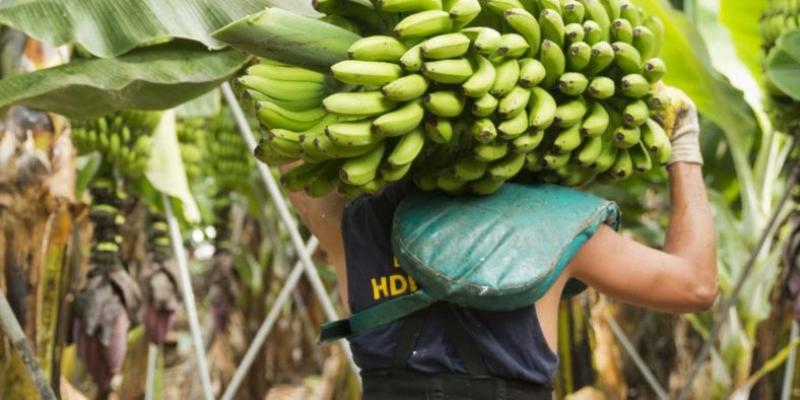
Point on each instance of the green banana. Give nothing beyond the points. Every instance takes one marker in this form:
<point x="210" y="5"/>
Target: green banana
<point x="554" y="61"/>
<point x="653" y="136"/>
<point x="448" y="71"/>
<point x="552" y="26"/>
<point x="573" y="83"/>
<point x="284" y="148"/>
<point x="362" y="169"/>
<point x="597" y="122"/>
<point x="507" y="167"/>
<point x="528" y="141"/>
<point x="590" y="151"/>
<point x="607" y="156"/>
<point x="484" y="106"/>
<point x="644" y="41"/>
<point x="622" y="31"/>
<point x="446" y="104"/>
<point x="358" y="103"/>
<point x="626" y="138"/>
<point x="573" y="33"/>
<point x="602" y="57"/>
<point x="526" y="25"/>
<point x="444" y="46"/>
<point x="394" y="174"/>
<point x="579" y="54"/>
<point x="631" y="13"/>
<point x="352" y="133"/>
<point x="486" y="186"/>
<point x="506" y="77"/>
<point x="514" y="102"/>
<point x="534" y="161"/>
<point x="627" y="58"/>
<point x="439" y="130"/>
<point x="597" y="13"/>
<point x="469" y="169"/>
<point x="485" y="40"/>
<point x="281" y="73"/>
<point x="377" y="48"/>
<point x="635" y="113"/>
<point x="479" y="84"/>
<point x="275" y="116"/>
<point x="570" y="113"/>
<point x="483" y="130"/>
<point x="656" y="27"/>
<point x="425" y="182"/>
<point x="462" y="12"/>
<point x="623" y="166"/>
<point x="513" y="127"/>
<point x="612" y="8"/>
<point x="554" y="160"/>
<point x="554" y="5"/>
<point x="654" y="69"/>
<point x="368" y="73"/>
<point x="424" y="24"/>
<point x="592" y="33"/>
<point x="512" y="45"/>
<point x="501" y="6"/>
<point x="658" y="101"/>
<point x="283" y="90"/>
<point x="531" y="72"/>
<point x="450" y="184"/>
<point x="407" y="149"/>
<point x="342" y="22"/>
<point x="568" y="139"/>
<point x="359" y="11"/>
<point x="601" y="87"/>
<point x="397" y="6"/>
<point x="325" y="145"/>
<point x="574" y="12"/>
<point x="488" y="152"/>
<point x="541" y="109"/>
<point x="326" y="180"/>
<point x="412" y="59"/>
<point x="641" y="158"/>
<point x="406" y="88"/>
<point x="400" y="121"/>
<point x="634" y="86"/>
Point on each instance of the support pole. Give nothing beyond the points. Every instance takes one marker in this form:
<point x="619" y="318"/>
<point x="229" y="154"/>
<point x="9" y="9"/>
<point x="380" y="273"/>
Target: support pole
<point x="188" y="300"/>
<point x="266" y="327"/>
<point x="788" y="373"/>
<point x="17" y="337"/>
<point x="152" y="361"/>
<point x="283" y="211"/>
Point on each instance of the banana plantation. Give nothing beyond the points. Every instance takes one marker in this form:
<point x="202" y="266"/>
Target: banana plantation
<point x="152" y="153"/>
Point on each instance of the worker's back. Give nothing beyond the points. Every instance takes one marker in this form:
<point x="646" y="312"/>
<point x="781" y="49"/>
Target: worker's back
<point x="508" y="345"/>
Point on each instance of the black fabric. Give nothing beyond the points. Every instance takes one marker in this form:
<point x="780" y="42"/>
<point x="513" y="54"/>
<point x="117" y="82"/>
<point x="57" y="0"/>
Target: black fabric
<point x="411" y="385"/>
<point x="412" y="328"/>
<point x="467" y="349"/>
<point x="510" y="343"/>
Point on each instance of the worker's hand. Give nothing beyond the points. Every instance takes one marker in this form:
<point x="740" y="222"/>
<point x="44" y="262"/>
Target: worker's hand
<point x="681" y="123"/>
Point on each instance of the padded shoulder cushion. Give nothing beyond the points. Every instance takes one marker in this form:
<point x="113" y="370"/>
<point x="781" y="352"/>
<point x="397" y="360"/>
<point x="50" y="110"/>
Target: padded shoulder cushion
<point x="499" y="252"/>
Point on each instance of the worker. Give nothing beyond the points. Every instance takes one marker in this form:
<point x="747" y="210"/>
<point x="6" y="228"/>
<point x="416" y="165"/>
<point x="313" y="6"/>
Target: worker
<point x="511" y="354"/>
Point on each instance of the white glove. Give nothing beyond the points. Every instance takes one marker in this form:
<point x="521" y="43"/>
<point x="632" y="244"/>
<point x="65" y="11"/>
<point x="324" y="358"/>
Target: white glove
<point x="685" y="137"/>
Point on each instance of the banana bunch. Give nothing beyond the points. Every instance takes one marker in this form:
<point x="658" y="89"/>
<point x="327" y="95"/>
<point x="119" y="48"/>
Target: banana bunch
<point x="123" y="138"/>
<point x="227" y="153"/>
<point x="105" y="213"/>
<point x="191" y="134"/>
<point x="464" y="95"/>
<point x="780" y="16"/>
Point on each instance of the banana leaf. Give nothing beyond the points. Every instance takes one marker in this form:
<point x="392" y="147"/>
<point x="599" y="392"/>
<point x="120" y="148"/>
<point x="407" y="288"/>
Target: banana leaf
<point x="207" y="105"/>
<point x="108" y="28"/>
<point x="152" y="78"/>
<point x="281" y="35"/>
<point x="783" y="64"/>
<point x="742" y="19"/>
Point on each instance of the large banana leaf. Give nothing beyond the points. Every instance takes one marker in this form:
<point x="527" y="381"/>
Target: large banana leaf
<point x="108" y="28"/>
<point x="284" y="36"/>
<point x="156" y="77"/>
<point x="783" y="64"/>
<point x="742" y="20"/>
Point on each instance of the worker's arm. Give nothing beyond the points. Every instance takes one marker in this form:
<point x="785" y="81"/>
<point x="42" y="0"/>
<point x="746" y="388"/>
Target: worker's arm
<point x="683" y="276"/>
<point x="323" y="217"/>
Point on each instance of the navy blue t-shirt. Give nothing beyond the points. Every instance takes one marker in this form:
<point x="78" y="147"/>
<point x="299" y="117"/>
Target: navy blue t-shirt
<point x="511" y="343"/>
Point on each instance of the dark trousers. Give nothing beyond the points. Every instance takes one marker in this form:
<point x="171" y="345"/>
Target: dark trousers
<point x="410" y="385"/>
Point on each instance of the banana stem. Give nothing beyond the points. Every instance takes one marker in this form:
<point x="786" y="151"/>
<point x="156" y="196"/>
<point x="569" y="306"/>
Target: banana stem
<point x="15" y="334"/>
<point x="288" y="221"/>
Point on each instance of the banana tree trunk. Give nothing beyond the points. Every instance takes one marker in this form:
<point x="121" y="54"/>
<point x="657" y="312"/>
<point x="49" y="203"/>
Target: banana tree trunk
<point x="37" y="186"/>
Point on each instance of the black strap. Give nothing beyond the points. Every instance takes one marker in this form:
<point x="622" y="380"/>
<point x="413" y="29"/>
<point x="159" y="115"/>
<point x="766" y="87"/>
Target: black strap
<point x="465" y="345"/>
<point x="409" y="333"/>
